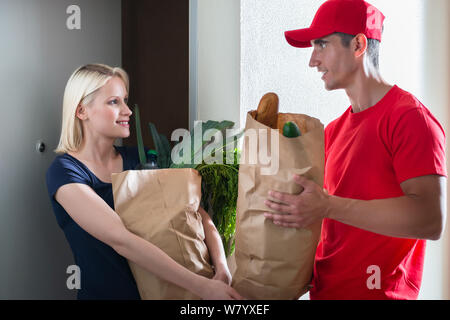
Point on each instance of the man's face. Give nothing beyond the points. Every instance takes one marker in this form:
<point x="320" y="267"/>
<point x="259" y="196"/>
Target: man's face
<point x="336" y="62"/>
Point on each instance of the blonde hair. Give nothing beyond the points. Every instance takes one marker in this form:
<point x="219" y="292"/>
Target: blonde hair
<point x="81" y="89"/>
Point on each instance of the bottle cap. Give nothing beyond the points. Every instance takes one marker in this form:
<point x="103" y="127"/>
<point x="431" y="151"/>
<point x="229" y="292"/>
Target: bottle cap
<point x="152" y="152"/>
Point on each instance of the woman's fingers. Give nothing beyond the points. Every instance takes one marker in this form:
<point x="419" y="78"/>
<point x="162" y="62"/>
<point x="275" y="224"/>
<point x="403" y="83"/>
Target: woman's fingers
<point x="235" y="295"/>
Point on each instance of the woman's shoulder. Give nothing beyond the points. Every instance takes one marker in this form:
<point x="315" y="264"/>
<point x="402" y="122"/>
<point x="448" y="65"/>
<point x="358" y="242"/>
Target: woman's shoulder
<point x="66" y="169"/>
<point x="64" y="162"/>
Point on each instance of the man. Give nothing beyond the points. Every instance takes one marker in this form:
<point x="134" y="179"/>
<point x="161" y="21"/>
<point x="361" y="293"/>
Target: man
<point x="385" y="176"/>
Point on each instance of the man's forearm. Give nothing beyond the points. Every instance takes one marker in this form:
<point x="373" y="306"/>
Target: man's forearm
<point x="402" y="217"/>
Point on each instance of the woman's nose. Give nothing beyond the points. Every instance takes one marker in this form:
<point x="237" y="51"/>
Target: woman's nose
<point x="126" y="110"/>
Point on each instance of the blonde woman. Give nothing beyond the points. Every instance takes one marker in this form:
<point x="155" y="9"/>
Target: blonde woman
<point x="95" y="114"/>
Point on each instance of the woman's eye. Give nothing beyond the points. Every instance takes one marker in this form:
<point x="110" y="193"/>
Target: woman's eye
<point x="115" y="101"/>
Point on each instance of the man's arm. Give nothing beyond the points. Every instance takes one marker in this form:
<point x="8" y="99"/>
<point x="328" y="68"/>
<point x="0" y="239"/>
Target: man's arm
<point x="419" y="214"/>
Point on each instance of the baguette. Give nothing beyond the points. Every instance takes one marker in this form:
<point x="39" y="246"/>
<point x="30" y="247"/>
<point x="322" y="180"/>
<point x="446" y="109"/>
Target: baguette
<point x="267" y="112"/>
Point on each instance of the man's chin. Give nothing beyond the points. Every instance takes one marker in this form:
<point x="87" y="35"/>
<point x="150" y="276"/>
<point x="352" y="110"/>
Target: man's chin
<point x="331" y="87"/>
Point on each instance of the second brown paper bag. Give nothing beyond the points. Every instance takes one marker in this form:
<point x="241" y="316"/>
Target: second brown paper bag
<point x="161" y="206"/>
<point x="273" y="262"/>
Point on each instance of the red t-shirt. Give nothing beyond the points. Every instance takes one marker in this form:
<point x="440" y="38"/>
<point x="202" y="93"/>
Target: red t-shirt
<point x="367" y="155"/>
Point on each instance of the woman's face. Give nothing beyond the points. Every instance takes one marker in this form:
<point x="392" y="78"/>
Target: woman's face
<point x="107" y="115"/>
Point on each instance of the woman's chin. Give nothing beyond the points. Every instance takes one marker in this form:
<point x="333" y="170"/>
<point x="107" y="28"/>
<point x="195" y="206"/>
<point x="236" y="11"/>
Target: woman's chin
<point x="125" y="132"/>
<point x="123" y="135"/>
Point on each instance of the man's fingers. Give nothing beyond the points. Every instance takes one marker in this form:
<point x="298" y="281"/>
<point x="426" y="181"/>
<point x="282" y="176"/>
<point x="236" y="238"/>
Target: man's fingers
<point x="282" y="197"/>
<point x="287" y="225"/>
<point x="281" y="218"/>
<point x="302" y="181"/>
<point x="279" y="207"/>
<point x="291" y="225"/>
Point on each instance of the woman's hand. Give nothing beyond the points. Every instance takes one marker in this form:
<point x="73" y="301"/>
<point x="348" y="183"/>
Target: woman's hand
<point x="217" y="290"/>
<point x="223" y="274"/>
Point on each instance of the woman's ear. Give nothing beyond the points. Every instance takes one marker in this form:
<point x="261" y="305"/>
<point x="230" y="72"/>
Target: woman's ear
<point x="81" y="112"/>
<point x="359" y="44"/>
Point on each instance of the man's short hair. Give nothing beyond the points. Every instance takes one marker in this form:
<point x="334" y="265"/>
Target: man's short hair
<point x="373" y="47"/>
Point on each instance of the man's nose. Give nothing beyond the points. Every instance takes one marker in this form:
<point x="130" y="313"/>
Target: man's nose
<point x="313" y="61"/>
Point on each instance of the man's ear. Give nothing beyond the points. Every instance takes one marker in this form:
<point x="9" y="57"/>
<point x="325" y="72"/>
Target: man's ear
<point x="359" y="44"/>
<point x="81" y="112"/>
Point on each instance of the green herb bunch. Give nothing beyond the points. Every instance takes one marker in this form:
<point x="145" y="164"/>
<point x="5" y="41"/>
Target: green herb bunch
<point x="219" y="180"/>
<point x="219" y="194"/>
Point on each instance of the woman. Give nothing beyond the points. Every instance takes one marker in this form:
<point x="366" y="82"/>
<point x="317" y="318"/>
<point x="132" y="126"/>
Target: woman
<point x="95" y="114"/>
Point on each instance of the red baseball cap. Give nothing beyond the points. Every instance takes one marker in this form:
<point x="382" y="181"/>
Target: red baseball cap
<point x="347" y="16"/>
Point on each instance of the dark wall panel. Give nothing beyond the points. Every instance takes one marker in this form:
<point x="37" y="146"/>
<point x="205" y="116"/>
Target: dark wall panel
<point x="155" y="53"/>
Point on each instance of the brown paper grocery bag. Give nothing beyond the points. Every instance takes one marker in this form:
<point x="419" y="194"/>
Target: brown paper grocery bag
<point x="161" y="206"/>
<point x="273" y="262"/>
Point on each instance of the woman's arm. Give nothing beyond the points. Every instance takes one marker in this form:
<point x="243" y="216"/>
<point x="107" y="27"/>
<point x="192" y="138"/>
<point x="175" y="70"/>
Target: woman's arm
<point x="94" y="215"/>
<point x="215" y="247"/>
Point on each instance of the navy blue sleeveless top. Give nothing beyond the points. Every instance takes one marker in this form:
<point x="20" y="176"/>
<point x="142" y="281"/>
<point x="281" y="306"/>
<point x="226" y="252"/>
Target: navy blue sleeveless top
<point x="104" y="273"/>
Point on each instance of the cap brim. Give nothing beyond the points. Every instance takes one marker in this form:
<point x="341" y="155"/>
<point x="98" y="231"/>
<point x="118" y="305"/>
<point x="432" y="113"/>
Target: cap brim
<point x="301" y="38"/>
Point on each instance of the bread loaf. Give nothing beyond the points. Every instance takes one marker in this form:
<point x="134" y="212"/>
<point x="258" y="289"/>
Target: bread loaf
<point x="267" y="112"/>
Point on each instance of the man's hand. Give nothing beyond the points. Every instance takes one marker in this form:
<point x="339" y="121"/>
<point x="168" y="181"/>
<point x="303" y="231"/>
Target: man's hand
<point x="302" y="210"/>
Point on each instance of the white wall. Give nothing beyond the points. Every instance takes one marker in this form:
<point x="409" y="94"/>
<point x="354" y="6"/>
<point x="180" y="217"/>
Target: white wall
<point x="218" y="58"/>
<point x="269" y="63"/>
<point x="436" y="95"/>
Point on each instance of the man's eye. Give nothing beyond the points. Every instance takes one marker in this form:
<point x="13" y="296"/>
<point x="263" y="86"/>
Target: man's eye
<point x="322" y="45"/>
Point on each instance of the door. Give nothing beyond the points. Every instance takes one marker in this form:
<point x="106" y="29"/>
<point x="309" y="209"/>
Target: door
<point x="40" y="47"/>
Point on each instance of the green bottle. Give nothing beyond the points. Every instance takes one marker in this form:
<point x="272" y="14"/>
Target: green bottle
<point x="152" y="161"/>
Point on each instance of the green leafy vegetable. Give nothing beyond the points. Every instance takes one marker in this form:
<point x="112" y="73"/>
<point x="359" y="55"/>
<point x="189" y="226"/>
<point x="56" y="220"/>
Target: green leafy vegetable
<point x="141" y="150"/>
<point x="162" y="146"/>
<point x="219" y="180"/>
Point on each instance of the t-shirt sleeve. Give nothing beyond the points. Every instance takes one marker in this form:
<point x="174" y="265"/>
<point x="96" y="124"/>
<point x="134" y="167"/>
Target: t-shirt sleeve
<point x="326" y="141"/>
<point x="64" y="171"/>
<point x="418" y="145"/>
